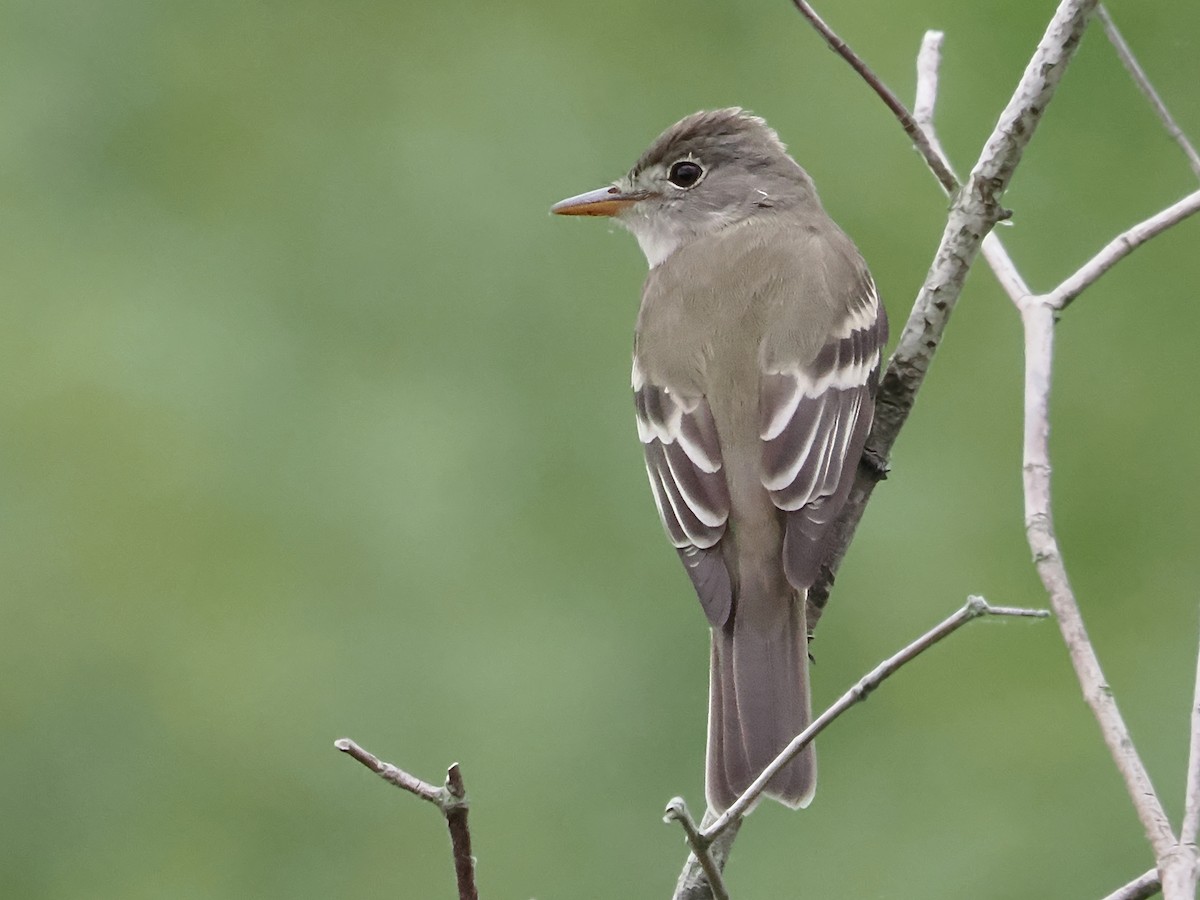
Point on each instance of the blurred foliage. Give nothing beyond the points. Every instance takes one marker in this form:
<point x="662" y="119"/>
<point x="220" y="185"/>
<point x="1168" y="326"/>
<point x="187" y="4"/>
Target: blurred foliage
<point x="313" y="422"/>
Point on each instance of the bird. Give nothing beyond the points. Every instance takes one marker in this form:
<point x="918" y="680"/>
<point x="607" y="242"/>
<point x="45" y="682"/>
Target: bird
<point x="756" y="364"/>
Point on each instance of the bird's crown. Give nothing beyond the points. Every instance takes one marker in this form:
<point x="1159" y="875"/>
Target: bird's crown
<point x="717" y="136"/>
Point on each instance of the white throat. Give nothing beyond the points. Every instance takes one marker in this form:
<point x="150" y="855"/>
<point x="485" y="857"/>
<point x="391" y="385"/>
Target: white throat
<point x="657" y="244"/>
<point x="661" y="235"/>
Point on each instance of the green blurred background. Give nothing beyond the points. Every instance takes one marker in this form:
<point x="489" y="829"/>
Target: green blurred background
<point x="314" y="423"/>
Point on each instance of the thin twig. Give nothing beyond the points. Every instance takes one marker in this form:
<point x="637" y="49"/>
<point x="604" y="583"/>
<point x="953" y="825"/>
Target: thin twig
<point x="693" y="884"/>
<point x="1191" y="809"/>
<point x="450" y="799"/>
<point x="973" y="609"/>
<point x="899" y="110"/>
<point x="1003" y="267"/>
<point x="718" y="832"/>
<point x="1145" y="885"/>
<point x="1120" y="247"/>
<point x="1038" y="317"/>
<point x="929" y="62"/>
<point x="1125" y="54"/>
<point x="391" y="774"/>
<point x="973" y="214"/>
<point x="677" y="811"/>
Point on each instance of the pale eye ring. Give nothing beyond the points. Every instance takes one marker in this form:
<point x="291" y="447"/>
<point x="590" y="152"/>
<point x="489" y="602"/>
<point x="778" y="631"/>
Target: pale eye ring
<point x="685" y="173"/>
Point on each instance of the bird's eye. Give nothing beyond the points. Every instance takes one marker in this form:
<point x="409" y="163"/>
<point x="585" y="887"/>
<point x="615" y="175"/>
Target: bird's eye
<point x="685" y="173"/>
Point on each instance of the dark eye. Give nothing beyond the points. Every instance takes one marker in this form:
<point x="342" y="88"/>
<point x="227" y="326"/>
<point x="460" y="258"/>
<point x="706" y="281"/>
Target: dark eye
<point x="685" y="173"/>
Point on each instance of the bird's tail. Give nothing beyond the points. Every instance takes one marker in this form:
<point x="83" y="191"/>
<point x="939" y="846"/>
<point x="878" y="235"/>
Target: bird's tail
<point x="758" y="701"/>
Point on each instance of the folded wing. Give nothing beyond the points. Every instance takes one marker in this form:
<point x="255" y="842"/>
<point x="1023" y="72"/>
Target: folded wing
<point x="815" y="415"/>
<point x="683" y="462"/>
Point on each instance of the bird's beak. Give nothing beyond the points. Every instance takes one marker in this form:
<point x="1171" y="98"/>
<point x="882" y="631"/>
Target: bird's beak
<point x="605" y="201"/>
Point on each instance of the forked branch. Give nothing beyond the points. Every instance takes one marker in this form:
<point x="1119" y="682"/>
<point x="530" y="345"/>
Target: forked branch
<point x="700" y="839"/>
<point x="1177" y="859"/>
<point x="974" y="212"/>
<point x="974" y="608"/>
<point x="451" y="799"/>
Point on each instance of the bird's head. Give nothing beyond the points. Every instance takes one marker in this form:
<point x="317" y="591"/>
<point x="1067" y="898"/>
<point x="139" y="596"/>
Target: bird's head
<point x="706" y="172"/>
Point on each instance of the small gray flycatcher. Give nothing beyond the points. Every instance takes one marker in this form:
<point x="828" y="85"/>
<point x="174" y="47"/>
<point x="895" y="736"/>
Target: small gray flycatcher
<point x="755" y="368"/>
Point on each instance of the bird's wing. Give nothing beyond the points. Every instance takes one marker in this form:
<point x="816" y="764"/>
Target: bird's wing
<point x="815" y="416"/>
<point x="683" y="461"/>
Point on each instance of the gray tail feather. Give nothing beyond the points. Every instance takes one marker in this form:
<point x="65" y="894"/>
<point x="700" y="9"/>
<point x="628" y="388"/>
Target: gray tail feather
<point x="758" y="701"/>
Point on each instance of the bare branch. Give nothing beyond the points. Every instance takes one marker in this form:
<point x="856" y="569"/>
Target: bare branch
<point x="711" y="843"/>
<point x="455" y="810"/>
<point x="899" y="110"/>
<point x="1178" y="862"/>
<point x="1125" y="54"/>
<point x="450" y="799"/>
<point x="1038" y="317"/>
<point x="973" y="609"/>
<point x="929" y="61"/>
<point x="1120" y="247"/>
<point x="1004" y="268"/>
<point x="1191" y="808"/>
<point x="693" y="883"/>
<point x="677" y="811"/>
<point x="973" y="214"/>
<point x="1146" y="885"/>
<point x="390" y="773"/>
